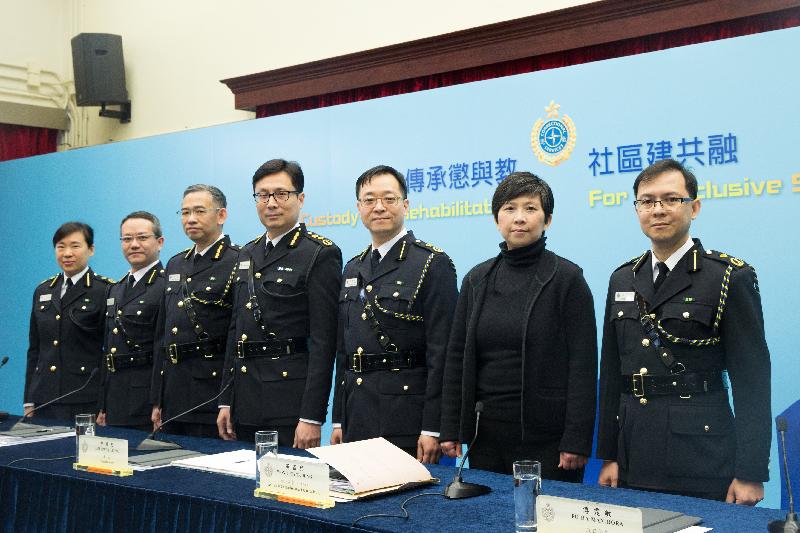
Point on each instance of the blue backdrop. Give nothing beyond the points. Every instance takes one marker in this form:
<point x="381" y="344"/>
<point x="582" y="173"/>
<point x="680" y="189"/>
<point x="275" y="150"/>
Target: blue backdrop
<point x="728" y="108"/>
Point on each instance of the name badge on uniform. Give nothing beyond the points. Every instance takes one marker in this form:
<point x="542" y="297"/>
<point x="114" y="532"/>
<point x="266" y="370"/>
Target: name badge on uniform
<point x="174" y="277"/>
<point x="351" y="282"/>
<point x="110" y="301"/>
<point x="624" y="296"/>
<point x="244" y="265"/>
<point x="45" y="297"/>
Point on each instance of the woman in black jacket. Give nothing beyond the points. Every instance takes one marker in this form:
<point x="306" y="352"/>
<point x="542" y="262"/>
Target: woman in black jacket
<point x="524" y="344"/>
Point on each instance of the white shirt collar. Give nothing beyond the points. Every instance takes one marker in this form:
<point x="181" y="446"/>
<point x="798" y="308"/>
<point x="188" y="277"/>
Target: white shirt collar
<point x="672" y="260"/>
<point x="277" y="239"/>
<point x="384" y="248"/>
<point x="207" y="248"/>
<point x="139" y="274"/>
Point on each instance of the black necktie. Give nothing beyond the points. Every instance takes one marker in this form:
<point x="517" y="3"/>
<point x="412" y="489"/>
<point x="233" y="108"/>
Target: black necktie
<point x="375" y="258"/>
<point x="663" y="270"/>
<point x="129" y="286"/>
<point x="69" y="285"/>
<point x="270" y="247"/>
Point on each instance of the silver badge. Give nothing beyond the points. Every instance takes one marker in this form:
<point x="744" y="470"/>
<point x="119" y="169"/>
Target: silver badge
<point x="624" y="296"/>
<point x="174" y="277"/>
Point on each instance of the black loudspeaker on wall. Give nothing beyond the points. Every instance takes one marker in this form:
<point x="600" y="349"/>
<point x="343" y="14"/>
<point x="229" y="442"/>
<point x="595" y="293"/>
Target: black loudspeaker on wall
<point x="99" y="70"/>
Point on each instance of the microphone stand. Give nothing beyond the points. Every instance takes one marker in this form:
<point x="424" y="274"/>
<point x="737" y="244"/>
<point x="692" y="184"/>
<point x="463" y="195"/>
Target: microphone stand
<point x="150" y="444"/>
<point x="790" y="524"/>
<point x="458" y="488"/>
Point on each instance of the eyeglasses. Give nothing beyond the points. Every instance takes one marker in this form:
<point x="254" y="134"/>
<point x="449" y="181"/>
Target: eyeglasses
<point x="196" y="211"/>
<point x="387" y="201"/>
<point x="668" y="204"/>
<point x="128" y="239"/>
<point x="280" y="196"/>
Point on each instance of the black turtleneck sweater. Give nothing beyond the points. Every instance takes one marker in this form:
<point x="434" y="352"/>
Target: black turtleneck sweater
<point x="500" y="328"/>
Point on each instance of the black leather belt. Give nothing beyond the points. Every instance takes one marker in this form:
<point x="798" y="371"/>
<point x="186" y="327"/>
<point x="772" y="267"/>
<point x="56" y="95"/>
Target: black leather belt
<point x="679" y="384"/>
<point x="367" y="362"/>
<point x="273" y="348"/>
<point x="116" y="362"/>
<point x="207" y="348"/>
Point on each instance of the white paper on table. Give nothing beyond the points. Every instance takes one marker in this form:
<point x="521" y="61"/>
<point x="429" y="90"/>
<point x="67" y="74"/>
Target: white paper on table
<point x="372" y="464"/>
<point x="694" y="529"/>
<point x="239" y="463"/>
<point x="13" y="441"/>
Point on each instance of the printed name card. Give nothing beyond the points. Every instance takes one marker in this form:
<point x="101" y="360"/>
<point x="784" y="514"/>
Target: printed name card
<point x="298" y="480"/>
<point x="565" y="515"/>
<point x="103" y="455"/>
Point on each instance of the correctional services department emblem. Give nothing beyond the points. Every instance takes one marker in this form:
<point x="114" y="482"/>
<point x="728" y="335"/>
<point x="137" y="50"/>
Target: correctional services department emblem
<point x="554" y="138"/>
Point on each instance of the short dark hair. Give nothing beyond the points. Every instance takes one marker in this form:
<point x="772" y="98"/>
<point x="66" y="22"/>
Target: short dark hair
<point x="217" y="196"/>
<point x="665" y="165"/>
<point x="68" y="228"/>
<point x="146" y="215"/>
<point x="367" y="176"/>
<point x="519" y="184"/>
<point x="273" y="166"/>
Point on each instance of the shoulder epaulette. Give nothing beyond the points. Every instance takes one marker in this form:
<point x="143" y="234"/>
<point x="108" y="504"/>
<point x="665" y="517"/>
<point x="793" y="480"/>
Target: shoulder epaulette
<point x="103" y="278"/>
<point x="361" y="255"/>
<point x="631" y="261"/>
<point x="256" y="240"/>
<point x="428" y="246"/>
<point x="319" y="238"/>
<point x="51" y="281"/>
<point x="722" y="257"/>
<point x="184" y="253"/>
<point x="122" y="279"/>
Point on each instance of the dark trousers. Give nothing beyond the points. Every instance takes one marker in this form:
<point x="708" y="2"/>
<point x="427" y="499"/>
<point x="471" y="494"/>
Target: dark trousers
<point x="712" y="495"/>
<point x="65" y="411"/>
<point x="192" y="429"/>
<point x="500" y="443"/>
<point x="248" y="433"/>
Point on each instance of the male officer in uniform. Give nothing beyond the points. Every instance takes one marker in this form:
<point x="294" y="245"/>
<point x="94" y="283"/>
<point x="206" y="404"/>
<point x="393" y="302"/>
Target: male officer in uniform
<point x="194" y="322"/>
<point x="395" y="308"/>
<point x="132" y="312"/>
<point x="679" y="319"/>
<point x="66" y="329"/>
<point x="282" y="339"/>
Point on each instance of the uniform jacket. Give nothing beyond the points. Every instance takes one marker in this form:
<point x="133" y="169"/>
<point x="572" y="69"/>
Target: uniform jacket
<point x="131" y="319"/>
<point x="413" y="292"/>
<point x="207" y="282"/>
<point x="709" y="313"/>
<point x="295" y="287"/>
<point x="559" y="357"/>
<point x="65" y="339"/>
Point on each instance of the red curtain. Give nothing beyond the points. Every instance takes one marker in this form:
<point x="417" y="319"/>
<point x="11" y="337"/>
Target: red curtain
<point x="25" y="141"/>
<point x="651" y="43"/>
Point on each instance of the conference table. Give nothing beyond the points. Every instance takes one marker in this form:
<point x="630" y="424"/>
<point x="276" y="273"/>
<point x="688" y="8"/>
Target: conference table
<point x="39" y="493"/>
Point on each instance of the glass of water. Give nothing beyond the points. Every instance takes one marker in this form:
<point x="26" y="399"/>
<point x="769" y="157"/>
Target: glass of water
<point x="84" y="425"/>
<point x="527" y="485"/>
<point x="266" y="443"/>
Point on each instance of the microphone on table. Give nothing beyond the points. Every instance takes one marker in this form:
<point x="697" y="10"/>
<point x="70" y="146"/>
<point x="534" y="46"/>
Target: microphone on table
<point x="458" y="489"/>
<point x="151" y="444"/>
<point x="3" y="414"/>
<point x="790" y="524"/>
<point x="70" y="393"/>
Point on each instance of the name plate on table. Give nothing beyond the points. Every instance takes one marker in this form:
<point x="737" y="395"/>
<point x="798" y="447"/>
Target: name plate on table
<point x="298" y="480"/>
<point x="565" y="515"/>
<point x="103" y="455"/>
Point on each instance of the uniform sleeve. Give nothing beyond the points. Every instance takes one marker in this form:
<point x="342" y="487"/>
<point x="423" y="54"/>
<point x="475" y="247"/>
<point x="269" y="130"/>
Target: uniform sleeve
<point x="33" y="351"/>
<point x="338" y="380"/>
<point x="439" y="297"/>
<point x="610" y="387"/>
<point x="107" y="325"/>
<point x="748" y="362"/>
<point x="238" y="298"/>
<point x="159" y="354"/>
<point x="578" y="323"/>
<point x="454" y="368"/>
<point x="323" y="281"/>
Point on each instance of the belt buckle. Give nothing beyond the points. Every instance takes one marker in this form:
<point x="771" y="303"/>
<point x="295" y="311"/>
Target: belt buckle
<point x="110" y="362"/>
<point x="357" y="362"/>
<point x="636" y="389"/>
<point x="172" y="350"/>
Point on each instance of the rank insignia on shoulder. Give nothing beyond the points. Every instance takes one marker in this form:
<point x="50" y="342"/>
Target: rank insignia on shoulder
<point x="725" y="258"/>
<point x="104" y="278"/>
<point x="429" y="246"/>
<point x="319" y="238"/>
<point x="52" y="281"/>
<point x="255" y="241"/>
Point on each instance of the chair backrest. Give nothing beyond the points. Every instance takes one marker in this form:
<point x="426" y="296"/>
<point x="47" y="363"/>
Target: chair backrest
<point x="792" y="416"/>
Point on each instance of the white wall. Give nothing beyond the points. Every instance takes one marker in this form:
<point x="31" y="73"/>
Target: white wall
<point x="176" y="51"/>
